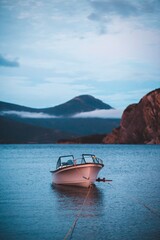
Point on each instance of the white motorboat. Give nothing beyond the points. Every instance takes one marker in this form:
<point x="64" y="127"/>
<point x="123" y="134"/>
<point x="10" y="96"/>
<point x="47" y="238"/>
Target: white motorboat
<point x="77" y="172"/>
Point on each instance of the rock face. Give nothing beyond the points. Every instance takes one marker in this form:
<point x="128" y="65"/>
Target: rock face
<point x="140" y="123"/>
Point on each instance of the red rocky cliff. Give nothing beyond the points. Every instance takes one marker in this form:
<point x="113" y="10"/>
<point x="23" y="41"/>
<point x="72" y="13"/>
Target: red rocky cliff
<point x="140" y="122"/>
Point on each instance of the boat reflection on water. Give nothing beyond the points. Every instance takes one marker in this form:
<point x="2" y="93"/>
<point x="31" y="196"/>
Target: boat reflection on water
<point x="72" y="198"/>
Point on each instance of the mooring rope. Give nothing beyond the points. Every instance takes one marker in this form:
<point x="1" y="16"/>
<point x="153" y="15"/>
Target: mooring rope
<point x="70" y="231"/>
<point x="152" y="210"/>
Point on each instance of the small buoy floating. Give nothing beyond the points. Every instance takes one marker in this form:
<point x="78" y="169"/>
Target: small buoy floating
<point x="103" y="180"/>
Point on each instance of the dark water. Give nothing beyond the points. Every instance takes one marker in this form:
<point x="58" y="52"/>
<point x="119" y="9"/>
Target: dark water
<point x="127" y="208"/>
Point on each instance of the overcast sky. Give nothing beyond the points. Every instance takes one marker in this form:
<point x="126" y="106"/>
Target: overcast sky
<point x="54" y="50"/>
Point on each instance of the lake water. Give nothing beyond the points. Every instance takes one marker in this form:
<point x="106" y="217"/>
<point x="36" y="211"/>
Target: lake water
<point x="125" y="209"/>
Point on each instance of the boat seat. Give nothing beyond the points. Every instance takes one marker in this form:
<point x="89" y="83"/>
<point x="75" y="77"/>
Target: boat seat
<point x="69" y="162"/>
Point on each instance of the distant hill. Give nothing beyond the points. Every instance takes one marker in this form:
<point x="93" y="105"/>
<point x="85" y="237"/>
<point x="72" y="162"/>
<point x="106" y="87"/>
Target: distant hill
<point x="79" y="104"/>
<point x="15" y="132"/>
<point x="4" y="106"/>
<point x="33" y="125"/>
<point x="140" y="122"/>
<point x="83" y="103"/>
<point x="91" y="139"/>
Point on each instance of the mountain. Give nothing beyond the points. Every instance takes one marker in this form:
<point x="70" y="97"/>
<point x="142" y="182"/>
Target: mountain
<point x="91" y="139"/>
<point x="140" y="123"/>
<point x="16" y="132"/>
<point x="83" y="103"/>
<point x="56" y="122"/>
<point x="79" y="104"/>
<point x="14" y="107"/>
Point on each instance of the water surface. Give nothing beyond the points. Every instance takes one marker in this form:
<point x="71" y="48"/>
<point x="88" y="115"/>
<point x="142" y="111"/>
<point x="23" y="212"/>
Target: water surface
<point x="126" y="208"/>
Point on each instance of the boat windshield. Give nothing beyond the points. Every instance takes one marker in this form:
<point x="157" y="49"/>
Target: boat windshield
<point x="90" y="158"/>
<point x="65" y="161"/>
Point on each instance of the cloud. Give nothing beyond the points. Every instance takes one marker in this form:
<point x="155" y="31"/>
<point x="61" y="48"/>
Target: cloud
<point x="23" y="114"/>
<point x="94" y="17"/>
<point x="6" y="62"/>
<point x="122" y="8"/>
<point x="111" y="113"/>
<point x="146" y="12"/>
<point x="78" y="56"/>
<point x="125" y="8"/>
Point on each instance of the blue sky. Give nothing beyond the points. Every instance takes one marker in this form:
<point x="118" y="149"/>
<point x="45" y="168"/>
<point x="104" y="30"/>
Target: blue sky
<point x="54" y="50"/>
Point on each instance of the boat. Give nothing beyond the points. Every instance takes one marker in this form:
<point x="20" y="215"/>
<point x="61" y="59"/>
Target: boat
<point x="77" y="172"/>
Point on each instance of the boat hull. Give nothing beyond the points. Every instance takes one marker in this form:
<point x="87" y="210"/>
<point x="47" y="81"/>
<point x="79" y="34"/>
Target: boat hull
<point x="82" y="175"/>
